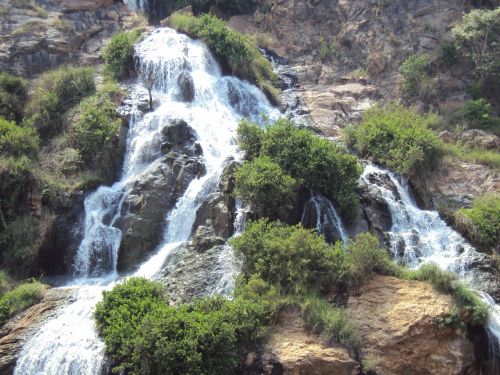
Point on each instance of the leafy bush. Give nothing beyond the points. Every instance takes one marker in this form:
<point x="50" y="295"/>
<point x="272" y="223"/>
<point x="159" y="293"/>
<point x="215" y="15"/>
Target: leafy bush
<point x="399" y="138"/>
<point x="17" y="140"/>
<point x="147" y="336"/>
<point x="477" y="37"/>
<point x="13" y="94"/>
<point x="56" y="92"/>
<point x="264" y="184"/>
<point x="291" y="257"/>
<point x="232" y="48"/>
<point x="20" y="298"/>
<point x="318" y="163"/>
<point x="16" y="180"/>
<point x="490" y="158"/>
<point x="119" y="54"/>
<point x="470" y="307"/>
<point x="330" y="322"/>
<point x="485" y="216"/>
<point x="414" y="72"/>
<point x="93" y="125"/>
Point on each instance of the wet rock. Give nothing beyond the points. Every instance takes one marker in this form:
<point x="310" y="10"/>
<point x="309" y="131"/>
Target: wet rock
<point x="375" y="208"/>
<point x="204" y="238"/>
<point x="186" y="87"/>
<point x="397" y="323"/>
<point x="19" y="329"/>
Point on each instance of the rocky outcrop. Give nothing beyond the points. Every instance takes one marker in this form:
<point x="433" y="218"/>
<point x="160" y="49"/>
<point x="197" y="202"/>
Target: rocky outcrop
<point x="397" y="322"/>
<point x="21" y="327"/>
<point x="155" y="192"/>
<point x="290" y="350"/>
<point x="56" y="32"/>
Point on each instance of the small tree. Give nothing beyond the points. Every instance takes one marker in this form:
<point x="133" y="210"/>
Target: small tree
<point x="148" y="75"/>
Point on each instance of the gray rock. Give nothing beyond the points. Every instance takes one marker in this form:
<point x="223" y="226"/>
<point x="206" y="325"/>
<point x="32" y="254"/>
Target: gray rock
<point x="186" y="86"/>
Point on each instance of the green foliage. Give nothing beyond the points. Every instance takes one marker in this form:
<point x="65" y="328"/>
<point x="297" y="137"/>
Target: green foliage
<point x="470" y="307"/>
<point x="399" y="138"/>
<point x="94" y="123"/>
<point x="447" y="53"/>
<point x="327" y="50"/>
<point x="292" y="257"/>
<point x="232" y="48"/>
<point x="20" y="298"/>
<point x="477" y="37"/>
<point x="17" y="140"/>
<point x="16" y="179"/>
<point x="5" y="283"/>
<point x="485" y="216"/>
<point x="490" y="158"/>
<point x="13" y="94"/>
<point x="318" y="163"/>
<point x="56" y="92"/>
<point x="477" y="113"/>
<point x="330" y="322"/>
<point x="264" y="184"/>
<point x="414" y="72"/>
<point x="119" y="54"/>
<point x="147" y="336"/>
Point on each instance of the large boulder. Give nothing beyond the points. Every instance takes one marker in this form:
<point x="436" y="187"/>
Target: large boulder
<point x="155" y="192"/>
<point x="397" y="322"/>
<point x="186" y="87"/>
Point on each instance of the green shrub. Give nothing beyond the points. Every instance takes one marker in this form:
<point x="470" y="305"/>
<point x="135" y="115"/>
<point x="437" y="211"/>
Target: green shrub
<point x="13" y="95"/>
<point x="56" y="92"/>
<point x="17" y="140"/>
<point x="490" y="158"/>
<point x="147" y="336"/>
<point x="485" y="216"/>
<point x="474" y="310"/>
<point x="327" y="49"/>
<point x="442" y="281"/>
<point x="448" y="53"/>
<point x="330" y="322"/>
<point x="250" y="136"/>
<point x="318" y="163"/>
<point x="94" y="123"/>
<point x="400" y="139"/>
<point x="119" y="54"/>
<point x="20" y="298"/>
<point x="477" y="37"/>
<point x="414" y="72"/>
<point x="264" y="184"/>
<point x="291" y="257"/>
<point x="16" y="180"/>
<point x="5" y="283"/>
<point x="232" y="48"/>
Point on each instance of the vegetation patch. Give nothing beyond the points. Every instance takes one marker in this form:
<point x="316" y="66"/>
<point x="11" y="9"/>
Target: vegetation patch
<point x="230" y="47"/>
<point x="20" y="298"/>
<point x="317" y="163"/>
<point x="13" y="95"/>
<point x="398" y="138"/>
<point x="17" y="140"/>
<point x="415" y="75"/>
<point x="119" y="54"/>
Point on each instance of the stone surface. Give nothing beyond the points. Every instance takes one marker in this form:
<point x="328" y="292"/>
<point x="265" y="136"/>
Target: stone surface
<point x="21" y="327"/>
<point x="397" y="323"/>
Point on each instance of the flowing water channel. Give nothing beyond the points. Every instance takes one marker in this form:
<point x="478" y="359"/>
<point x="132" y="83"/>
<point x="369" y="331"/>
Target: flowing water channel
<point x="68" y="343"/>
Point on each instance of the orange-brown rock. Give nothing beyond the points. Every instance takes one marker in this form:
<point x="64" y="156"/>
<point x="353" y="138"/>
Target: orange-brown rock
<point x="397" y="322"/>
<point x="79" y="5"/>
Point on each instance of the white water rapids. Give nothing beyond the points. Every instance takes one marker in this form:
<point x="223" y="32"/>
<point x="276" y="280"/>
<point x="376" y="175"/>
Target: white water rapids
<point x="68" y="343"/>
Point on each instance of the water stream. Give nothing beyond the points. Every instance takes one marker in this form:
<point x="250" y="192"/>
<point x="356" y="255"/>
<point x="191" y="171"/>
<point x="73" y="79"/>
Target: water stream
<point x="68" y="343"/>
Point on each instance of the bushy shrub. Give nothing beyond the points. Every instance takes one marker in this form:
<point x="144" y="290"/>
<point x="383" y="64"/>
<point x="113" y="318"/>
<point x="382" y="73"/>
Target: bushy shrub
<point x="20" y="298"/>
<point x="291" y="257"/>
<point x="56" y="92"/>
<point x="119" y="54"/>
<point x="318" y="163"/>
<point x="485" y="216"/>
<point x="250" y="136"/>
<point x="442" y="281"/>
<point x="13" y="94"/>
<point x="414" y="72"/>
<point x="17" y="140"/>
<point x="477" y="37"/>
<point x="147" y="336"/>
<point x="16" y="180"/>
<point x="264" y="184"/>
<point x="93" y="125"/>
<point x="230" y="47"/>
<point x="330" y="322"/>
<point x="399" y="138"/>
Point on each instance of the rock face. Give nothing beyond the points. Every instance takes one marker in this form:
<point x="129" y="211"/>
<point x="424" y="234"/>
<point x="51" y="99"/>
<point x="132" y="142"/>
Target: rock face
<point x="55" y="32"/>
<point x="398" y="328"/>
<point x="21" y="327"/>
<point x="156" y="191"/>
<point x="290" y="350"/>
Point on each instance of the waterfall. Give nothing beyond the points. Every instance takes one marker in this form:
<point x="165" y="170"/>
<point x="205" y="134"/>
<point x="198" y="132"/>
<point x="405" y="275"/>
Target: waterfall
<point x="420" y="236"/>
<point x="68" y="343"/>
<point x="321" y="209"/>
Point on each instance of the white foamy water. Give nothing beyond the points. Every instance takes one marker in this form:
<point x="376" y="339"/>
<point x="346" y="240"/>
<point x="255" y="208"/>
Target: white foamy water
<point x="67" y="343"/>
<point x="326" y="216"/>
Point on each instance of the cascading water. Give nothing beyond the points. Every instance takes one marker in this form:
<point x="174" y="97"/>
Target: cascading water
<point x="419" y="236"/>
<point x="68" y="343"/>
<point x="327" y="218"/>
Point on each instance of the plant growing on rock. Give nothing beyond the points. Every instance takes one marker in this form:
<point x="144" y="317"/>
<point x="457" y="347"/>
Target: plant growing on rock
<point x="21" y="297"/>
<point x="17" y="140"/>
<point x="414" y="72"/>
<point x="119" y="54"/>
<point x="13" y="95"/>
<point x="398" y="138"/>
